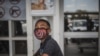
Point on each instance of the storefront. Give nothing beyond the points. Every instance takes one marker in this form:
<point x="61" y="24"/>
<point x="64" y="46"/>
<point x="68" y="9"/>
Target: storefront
<point x="17" y="20"/>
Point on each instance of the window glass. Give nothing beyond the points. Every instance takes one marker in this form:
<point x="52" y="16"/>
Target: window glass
<point x="3" y="28"/>
<point x="20" y="28"/>
<point x="20" y="47"/>
<point x="4" y="47"/>
<point x="81" y="46"/>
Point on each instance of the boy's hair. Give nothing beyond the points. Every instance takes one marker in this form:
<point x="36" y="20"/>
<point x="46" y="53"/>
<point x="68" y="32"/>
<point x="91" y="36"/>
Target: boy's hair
<point x="43" y="21"/>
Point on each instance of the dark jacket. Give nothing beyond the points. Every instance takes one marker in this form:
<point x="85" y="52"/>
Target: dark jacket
<point x="50" y="47"/>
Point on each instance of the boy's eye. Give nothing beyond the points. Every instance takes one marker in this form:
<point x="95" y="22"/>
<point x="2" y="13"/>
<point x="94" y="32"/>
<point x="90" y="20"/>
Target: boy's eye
<point x="41" y="28"/>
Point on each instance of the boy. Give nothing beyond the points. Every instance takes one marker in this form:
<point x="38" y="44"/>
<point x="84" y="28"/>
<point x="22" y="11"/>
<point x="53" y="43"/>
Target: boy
<point x="48" y="46"/>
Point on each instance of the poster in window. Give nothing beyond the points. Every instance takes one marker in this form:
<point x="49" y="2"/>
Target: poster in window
<point x="39" y="6"/>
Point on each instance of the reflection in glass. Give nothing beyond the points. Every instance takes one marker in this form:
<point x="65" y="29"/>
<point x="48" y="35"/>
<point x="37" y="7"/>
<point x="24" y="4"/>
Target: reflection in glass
<point x="3" y="28"/>
<point x="20" y="47"/>
<point x="81" y="23"/>
<point x="20" y="28"/>
<point x="4" y="47"/>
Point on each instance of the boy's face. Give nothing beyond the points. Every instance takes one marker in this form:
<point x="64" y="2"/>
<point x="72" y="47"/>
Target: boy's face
<point x="41" y="30"/>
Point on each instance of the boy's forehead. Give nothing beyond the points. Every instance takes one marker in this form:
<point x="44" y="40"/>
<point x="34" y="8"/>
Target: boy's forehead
<point x="41" y="23"/>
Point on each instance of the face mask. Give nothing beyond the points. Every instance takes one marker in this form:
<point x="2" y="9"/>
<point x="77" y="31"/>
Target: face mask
<point x="40" y="33"/>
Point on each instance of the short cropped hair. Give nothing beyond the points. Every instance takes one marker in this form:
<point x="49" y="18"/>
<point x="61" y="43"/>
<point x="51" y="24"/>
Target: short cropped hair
<point x="43" y="21"/>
